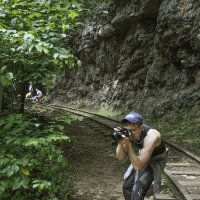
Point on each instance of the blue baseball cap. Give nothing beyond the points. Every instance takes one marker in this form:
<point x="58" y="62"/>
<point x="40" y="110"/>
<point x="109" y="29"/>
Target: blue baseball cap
<point x="133" y="118"/>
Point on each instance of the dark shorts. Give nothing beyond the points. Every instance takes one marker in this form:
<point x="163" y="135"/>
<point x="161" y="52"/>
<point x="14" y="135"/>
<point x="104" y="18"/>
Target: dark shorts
<point x="136" y="188"/>
<point x="137" y="183"/>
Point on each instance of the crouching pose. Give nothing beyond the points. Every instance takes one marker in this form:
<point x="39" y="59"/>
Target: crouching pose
<point x="147" y="154"/>
<point x="38" y="96"/>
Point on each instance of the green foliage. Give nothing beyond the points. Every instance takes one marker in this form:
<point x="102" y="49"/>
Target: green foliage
<point x="5" y="77"/>
<point x="143" y="2"/>
<point x="32" y="34"/>
<point x="71" y="118"/>
<point x="32" y="165"/>
<point x="105" y="110"/>
<point x="182" y="127"/>
<point x="91" y="8"/>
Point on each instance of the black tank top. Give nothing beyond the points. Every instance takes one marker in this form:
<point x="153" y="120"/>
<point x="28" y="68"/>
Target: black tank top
<point x="139" y="143"/>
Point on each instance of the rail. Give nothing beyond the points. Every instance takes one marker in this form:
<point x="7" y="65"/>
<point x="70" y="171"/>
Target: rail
<point x="182" y="170"/>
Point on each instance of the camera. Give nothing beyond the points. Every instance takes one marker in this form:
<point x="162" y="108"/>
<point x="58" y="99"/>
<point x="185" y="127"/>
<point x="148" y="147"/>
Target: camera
<point x="117" y="135"/>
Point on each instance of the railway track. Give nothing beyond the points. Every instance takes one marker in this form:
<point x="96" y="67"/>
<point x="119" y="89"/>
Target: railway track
<point x="182" y="170"/>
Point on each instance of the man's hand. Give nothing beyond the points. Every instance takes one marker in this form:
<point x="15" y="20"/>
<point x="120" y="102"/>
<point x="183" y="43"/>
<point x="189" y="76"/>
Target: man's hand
<point x="125" y="142"/>
<point x="117" y="129"/>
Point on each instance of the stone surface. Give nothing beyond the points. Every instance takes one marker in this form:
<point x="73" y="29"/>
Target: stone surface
<point x="144" y="56"/>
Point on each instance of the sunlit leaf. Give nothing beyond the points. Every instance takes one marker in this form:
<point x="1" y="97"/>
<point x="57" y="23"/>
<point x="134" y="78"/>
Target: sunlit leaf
<point x="38" y="47"/>
<point x="25" y="171"/>
<point x="37" y="125"/>
<point x="65" y="27"/>
<point x="32" y="142"/>
<point x="73" y="14"/>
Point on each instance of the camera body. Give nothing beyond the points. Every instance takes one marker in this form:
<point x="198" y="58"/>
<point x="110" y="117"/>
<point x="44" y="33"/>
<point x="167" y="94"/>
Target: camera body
<point x="117" y="135"/>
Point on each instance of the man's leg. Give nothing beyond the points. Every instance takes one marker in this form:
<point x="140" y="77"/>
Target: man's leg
<point x="143" y="183"/>
<point x="158" y="166"/>
<point x="128" y="185"/>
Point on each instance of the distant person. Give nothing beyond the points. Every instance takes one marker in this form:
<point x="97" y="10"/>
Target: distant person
<point x="38" y="96"/>
<point x="30" y="90"/>
<point x="147" y="153"/>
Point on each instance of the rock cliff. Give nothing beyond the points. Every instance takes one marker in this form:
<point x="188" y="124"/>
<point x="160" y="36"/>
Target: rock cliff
<point x="141" y="55"/>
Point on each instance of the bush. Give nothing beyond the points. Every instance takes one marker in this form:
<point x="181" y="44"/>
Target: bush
<point x="32" y="164"/>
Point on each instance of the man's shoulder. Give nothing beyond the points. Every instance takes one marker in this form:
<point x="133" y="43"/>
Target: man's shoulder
<point x="154" y="130"/>
<point x="153" y="134"/>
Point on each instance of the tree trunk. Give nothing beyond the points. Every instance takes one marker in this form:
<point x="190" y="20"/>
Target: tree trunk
<point x="22" y="96"/>
<point x="1" y="97"/>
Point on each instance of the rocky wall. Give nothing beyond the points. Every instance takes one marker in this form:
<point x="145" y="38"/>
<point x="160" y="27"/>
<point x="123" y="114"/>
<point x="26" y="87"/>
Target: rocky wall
<point x="144" y="55"/>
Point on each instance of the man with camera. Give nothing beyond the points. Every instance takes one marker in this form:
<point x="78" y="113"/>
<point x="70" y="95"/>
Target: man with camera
<point x="146" y="152"/>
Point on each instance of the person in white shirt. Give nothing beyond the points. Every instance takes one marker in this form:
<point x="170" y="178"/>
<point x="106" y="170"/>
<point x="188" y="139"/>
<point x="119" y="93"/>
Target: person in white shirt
<point x="38" y="96"/>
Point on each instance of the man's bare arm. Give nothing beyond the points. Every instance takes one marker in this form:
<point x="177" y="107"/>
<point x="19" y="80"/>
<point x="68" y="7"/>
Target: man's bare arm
<point x="150" y="142"/>
<point x="120" y="151"/>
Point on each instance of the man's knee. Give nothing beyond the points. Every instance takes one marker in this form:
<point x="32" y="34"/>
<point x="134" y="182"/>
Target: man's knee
<point x="127" y="190"/>
<point x="137" y="192"/>
<point x="126" y="186"/>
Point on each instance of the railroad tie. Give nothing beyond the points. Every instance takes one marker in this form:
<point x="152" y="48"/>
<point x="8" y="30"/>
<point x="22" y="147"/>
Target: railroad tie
<point x="189" y="183"/>
<point x="163" y="197"/>
<point x="195" y="197"/>
<point x="181" y="164"/>
<point x="188" y="173"/>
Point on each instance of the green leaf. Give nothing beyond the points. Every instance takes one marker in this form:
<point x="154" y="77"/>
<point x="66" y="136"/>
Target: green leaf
<point x="10" y="172"/>
<point x="65" y="27"/>
<point x="57" y="138"/>
<point x="32" y="142"/>
<point x="25" y="182"/>
<point x="45" y="50"/>
<point x="73" y="14"/>
<point x="5" y="79"/>
<point x="37" y="125"/>
<point x="16" y="183"/>
<point x="4" y="170"/>
<point x="4" y="161"/>
<point x="36" y="185"/>
<point x="3" y="69"/>
<point x="3" y="185"/>
<point x="30" y="48"/>
<point x="67" y="121"/>
<point x="25" y="171"/>
<point x="37" y="15"/>
<point x="15" y="168"/>
<point x="55" y="55"/>
<point x="35" y="141"/>
<point x="41" y="184"/>
<point x="38" y="47"/>
<point x="11" y="169"/>
<point x="61" y="56"/>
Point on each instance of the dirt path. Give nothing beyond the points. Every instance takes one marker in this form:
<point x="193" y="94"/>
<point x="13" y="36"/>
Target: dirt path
<point x="98" y="175"/>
